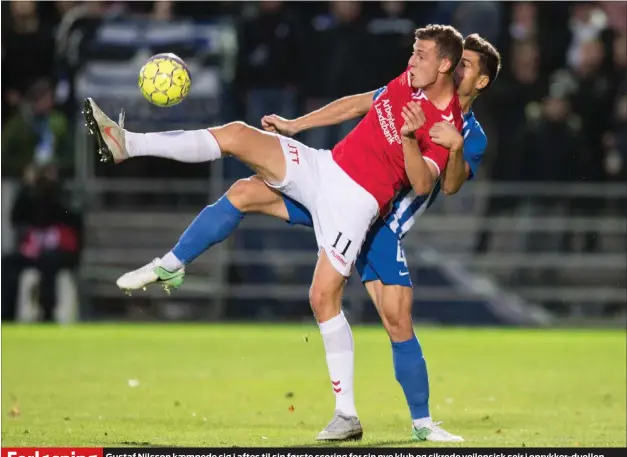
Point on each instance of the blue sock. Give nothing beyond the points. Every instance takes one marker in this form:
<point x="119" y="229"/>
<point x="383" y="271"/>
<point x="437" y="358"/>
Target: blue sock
<point x="410" y="369"/>
<point x="214" y="224"/>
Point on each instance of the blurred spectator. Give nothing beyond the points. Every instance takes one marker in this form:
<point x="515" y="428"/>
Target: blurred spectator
<point x="483" y="18"/>
<point x="27" y="50"/>
<point x="524" y="22"/>
<point x="534" y="21"/>
<point x="586" y="23"/>
<point x="37" y="134"/>
<point x="592" y="96"/>
<point x="269" y="62"/>
<point x="340" y="63"/>
<point x="48" y="239"/>
<point x="549" y="146"/>
<point x="350" y="60"/>
<point x="616" y="13"/>
<point x="615" y="140"/>
<point x="549" y="142"/>
<point x="268" y="66"/>
<point x="162" y="10"/>
<point x="520" y="86"/>
<point x="393" y="39"/>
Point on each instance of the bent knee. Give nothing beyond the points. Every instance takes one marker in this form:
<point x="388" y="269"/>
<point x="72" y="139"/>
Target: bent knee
<point x="244" y="194"/>
<point x="237" y="127"/>
<point x="229" y="135"/>
<point x="252" y="195"/>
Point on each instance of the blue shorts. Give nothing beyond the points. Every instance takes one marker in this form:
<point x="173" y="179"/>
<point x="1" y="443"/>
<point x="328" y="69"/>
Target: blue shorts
<point x="381" y="257"/>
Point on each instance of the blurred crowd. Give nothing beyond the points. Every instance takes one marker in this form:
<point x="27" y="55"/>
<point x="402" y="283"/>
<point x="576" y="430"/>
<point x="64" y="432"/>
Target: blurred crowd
<point x="557" y="113"/>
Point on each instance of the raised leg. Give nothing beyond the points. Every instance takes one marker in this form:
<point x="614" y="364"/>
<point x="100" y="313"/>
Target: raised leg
<point x="260" y="150"/>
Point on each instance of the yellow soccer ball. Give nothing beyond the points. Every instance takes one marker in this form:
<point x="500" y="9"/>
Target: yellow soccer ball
<point x="165" y="80"/>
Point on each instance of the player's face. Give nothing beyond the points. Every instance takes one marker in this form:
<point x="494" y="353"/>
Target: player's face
<point x="424" y="64"/>
<point x="468" y="75"/>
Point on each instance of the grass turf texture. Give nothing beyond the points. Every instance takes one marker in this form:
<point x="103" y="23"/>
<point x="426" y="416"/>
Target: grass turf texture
<point x="225" y="385"/>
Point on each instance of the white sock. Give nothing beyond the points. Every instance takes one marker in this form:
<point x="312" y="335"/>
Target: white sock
<point x="338" y="344"/>
<point x="422" y="422"/>
<point x="171" y="262"/>
<point x="190" y="146"/>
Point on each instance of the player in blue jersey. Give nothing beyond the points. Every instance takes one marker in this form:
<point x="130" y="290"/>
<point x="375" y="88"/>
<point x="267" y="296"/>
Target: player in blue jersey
<point x="381" y="262"/>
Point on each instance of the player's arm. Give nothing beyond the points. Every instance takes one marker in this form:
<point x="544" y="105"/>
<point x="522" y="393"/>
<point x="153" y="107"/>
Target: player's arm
<point x="457" y="170"/>
<point x="421" y="173"/>
<point x="465" y="154"/>
<point x="336" y="112"/>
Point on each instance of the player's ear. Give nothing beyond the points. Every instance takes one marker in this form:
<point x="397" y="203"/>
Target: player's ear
<point x="482" y="82"/>
<point x="445" y="66"/>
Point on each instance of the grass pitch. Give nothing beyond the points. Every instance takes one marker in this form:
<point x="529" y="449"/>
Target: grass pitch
<point x="225" y="385"/>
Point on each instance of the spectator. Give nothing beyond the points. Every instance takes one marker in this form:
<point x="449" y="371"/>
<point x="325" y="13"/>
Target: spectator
<point x="268" y="66"/>
<point x="534" y="21"/>
<point x="341" y="47"/>
<point x="619" y="60"/>
<point x="586" y="23"/>
<point x="393" y="38"/>
<point x="520" y="86"/>
<point x="524" y="23"/>
<point x="37" y="134"/>
<point x="48" y="239"/>
<point x="592" y="97"/>
<point x="616" y="13"/>
<point x="549" y="146"/>
<point x="484" y="18"/>
<point x="615" y="140"/>
<point x="27" y="50"/>
<point x="549" y="142"/>
<point x="269" y="62"/>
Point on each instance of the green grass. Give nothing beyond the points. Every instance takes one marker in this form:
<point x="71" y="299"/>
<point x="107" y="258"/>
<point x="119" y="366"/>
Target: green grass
<point x="224" y="385"/>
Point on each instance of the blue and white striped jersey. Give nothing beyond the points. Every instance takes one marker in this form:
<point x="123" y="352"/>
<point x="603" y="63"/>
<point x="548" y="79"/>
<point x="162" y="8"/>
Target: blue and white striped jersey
<point x="408" y="206"/>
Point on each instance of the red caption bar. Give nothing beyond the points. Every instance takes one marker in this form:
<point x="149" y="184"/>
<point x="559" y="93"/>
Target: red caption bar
<point x="52" y="452"/>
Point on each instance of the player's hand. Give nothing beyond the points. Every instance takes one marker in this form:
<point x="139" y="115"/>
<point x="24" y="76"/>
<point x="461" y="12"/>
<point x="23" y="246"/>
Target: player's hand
<point x="414" y="119"/>
<point x="446" y="135"/>
<point x="277" y="124"/>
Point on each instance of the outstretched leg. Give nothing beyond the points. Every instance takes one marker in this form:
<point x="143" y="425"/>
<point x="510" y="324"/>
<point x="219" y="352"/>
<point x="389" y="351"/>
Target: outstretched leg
<point x="212" y="225"/>
<point x="260" y="150"/>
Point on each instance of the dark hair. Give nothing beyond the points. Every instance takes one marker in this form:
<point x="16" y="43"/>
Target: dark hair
<point x="490" y="59"/>
<point x="449" y="42"/>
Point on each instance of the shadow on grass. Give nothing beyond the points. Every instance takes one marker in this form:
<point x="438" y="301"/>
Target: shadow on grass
<point x="141" y="444"/>
<point x="342" y="444"/>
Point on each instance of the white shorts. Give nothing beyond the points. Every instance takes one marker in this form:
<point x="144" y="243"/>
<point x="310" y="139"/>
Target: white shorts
<point x="342" y="211"/>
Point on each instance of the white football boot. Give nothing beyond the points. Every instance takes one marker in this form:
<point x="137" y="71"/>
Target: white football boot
<point x="152" y="273"/>
<point x="433" y="432"/>
<point x="110" y="136"/>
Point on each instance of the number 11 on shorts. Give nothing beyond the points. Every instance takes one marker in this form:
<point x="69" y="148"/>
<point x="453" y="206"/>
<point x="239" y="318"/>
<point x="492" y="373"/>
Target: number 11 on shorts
<point x="337" y="240"/>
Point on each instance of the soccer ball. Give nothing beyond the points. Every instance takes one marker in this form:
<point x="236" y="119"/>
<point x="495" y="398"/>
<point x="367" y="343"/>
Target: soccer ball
<point x="165" y="80"/>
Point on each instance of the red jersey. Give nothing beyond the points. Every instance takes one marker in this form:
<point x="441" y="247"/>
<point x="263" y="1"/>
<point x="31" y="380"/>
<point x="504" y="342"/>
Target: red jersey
<point x="372" y="153"/>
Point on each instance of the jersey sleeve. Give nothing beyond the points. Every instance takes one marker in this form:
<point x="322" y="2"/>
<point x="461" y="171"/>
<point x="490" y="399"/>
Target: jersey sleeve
<point x="431" y="152"/>
<point x="475" y="144"/>
<point x="378" y="92"/>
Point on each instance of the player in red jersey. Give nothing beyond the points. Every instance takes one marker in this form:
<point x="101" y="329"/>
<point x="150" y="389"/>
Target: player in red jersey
<point x="345" y="190"/>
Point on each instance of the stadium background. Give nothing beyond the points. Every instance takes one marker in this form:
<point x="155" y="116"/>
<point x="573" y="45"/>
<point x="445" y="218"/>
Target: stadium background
<point x="537" y="239"/>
